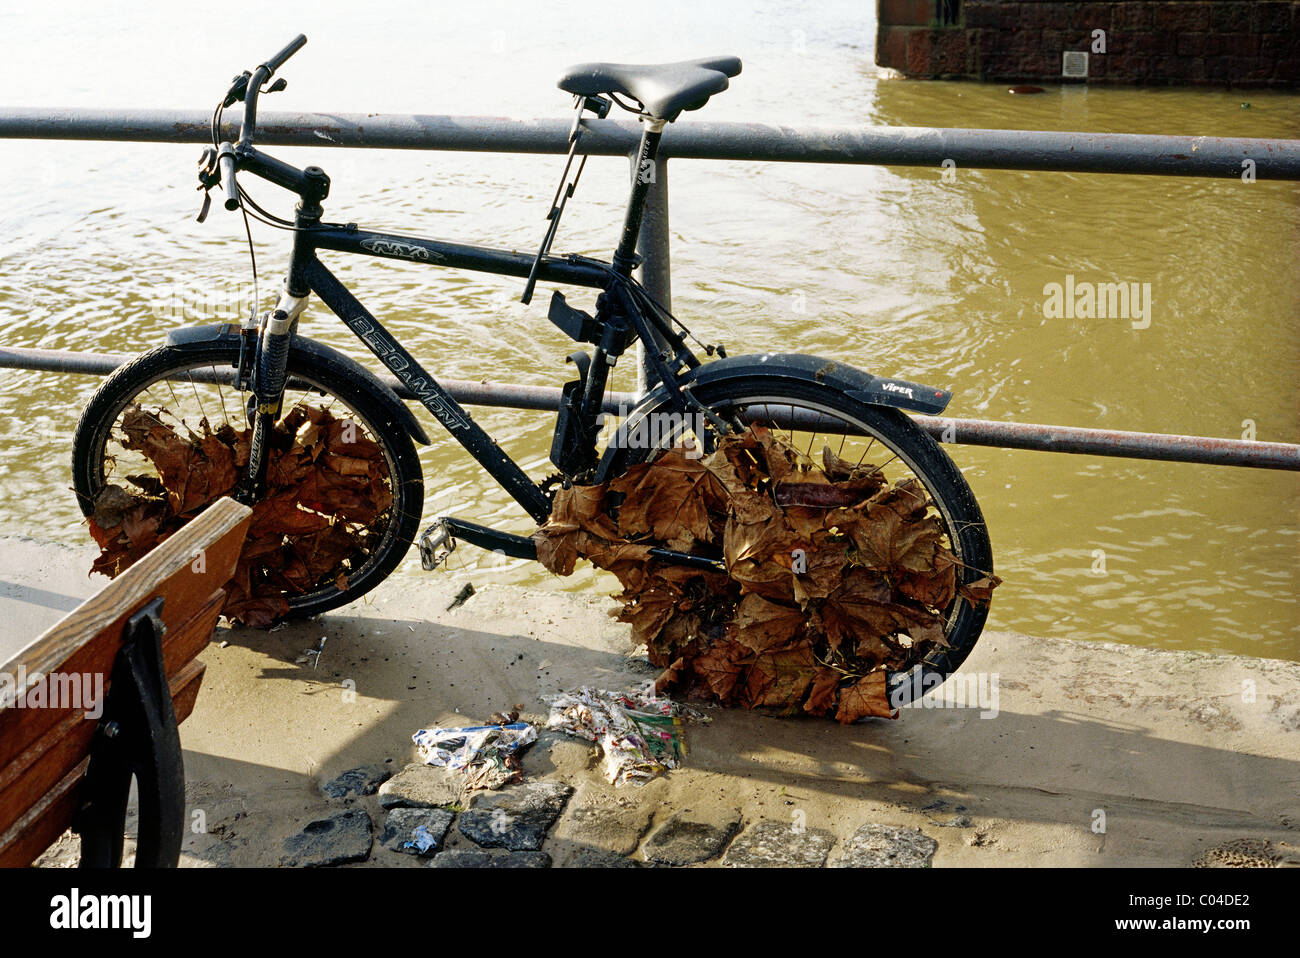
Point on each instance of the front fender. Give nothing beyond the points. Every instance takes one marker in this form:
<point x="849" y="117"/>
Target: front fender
<point x="322" y="354"/>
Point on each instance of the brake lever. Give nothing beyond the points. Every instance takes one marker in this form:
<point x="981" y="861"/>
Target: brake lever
<point x="209" y="162"/>
<point x="209" y="176"/>
<point x="238" y="89"/>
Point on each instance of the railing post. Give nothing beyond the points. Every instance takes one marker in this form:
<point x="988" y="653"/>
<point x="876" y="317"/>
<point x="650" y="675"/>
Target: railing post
<point x="656" y="259"/>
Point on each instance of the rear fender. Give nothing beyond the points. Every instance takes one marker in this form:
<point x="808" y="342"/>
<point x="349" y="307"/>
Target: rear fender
<point x="863" y="386"/>
<point x="855" y="383"/>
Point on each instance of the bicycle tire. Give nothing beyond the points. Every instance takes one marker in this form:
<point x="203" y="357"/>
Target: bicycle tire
<point x="948" y="490"/>
<point x="314" y="375"/>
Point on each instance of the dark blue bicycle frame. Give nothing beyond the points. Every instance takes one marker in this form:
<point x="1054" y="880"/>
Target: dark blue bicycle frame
<point x="309" y="269"/>
<point x="307" y="274"/>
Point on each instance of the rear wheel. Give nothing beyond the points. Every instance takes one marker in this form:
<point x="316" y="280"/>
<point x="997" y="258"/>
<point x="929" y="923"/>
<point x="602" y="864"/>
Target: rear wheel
<point x="811" y="416"/>
<point x="350" y="492"/>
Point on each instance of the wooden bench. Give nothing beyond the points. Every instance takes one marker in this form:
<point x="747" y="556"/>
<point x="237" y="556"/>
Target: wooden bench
<point x="66" y="757"/>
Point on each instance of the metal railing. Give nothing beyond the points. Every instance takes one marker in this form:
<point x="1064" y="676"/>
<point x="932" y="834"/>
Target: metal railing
<point x="973" y="432"/>
<point x="1220" y="157"/>
<point x="694" y="139"/>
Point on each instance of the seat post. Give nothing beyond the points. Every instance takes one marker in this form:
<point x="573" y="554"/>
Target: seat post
<point x="643" y="173"/>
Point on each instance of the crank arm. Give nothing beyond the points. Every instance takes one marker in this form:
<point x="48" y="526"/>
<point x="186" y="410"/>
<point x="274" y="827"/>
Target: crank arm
<point x="445" y="531"/>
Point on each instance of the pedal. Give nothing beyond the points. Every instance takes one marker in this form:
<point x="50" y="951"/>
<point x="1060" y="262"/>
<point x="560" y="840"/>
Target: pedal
<point x="437" y="536"/>
<point x="444" y="532"/>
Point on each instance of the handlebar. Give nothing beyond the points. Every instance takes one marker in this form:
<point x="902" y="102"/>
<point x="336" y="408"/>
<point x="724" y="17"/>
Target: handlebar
<point x="255" y="83"/>
<point x="310" y="184"/>
<point x="277" y="61"/>
<point x="226" y="164"/>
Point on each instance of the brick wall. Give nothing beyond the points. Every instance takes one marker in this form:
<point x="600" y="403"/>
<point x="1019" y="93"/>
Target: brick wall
<point x="1208" y="42"/>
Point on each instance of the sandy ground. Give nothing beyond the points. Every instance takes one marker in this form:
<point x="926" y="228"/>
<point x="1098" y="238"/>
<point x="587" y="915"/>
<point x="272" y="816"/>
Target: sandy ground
<point x="1172" y="753"/>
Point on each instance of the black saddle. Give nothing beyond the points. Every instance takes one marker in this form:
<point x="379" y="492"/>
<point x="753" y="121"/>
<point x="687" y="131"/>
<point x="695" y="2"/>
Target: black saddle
<point x="664" y="90"/>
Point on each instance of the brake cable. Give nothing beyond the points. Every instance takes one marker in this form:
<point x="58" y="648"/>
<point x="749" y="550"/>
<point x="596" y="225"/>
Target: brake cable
<point x="252" y="256"/>
<point x="667" y="314"/>
<point x="270" y="219"/>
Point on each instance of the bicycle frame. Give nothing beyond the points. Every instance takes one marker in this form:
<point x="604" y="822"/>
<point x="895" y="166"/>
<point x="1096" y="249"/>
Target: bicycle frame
<point x="477" y="442"/>
<point x="618" y="320"/>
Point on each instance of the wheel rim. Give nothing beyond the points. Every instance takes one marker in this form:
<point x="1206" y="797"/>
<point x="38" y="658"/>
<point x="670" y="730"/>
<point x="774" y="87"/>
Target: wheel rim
<point x="767" y="409"/>
<point x="189" y="392"/>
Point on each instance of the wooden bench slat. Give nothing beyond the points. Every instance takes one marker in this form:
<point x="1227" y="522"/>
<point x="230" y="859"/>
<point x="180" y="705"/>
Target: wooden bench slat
<point x="185" y="689"/>
<point x="42" y="824"/>
<point x="44" y="752"/>
<point x="19" y="728"/>
<point x="181" y="645"/>
<point x="40" y="767"/>
<point x="121" y="597"/>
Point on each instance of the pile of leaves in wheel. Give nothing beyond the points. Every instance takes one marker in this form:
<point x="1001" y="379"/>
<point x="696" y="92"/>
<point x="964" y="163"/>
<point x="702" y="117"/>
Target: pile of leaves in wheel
<point x="834" y="575"/>
<point x="326" y="484"/>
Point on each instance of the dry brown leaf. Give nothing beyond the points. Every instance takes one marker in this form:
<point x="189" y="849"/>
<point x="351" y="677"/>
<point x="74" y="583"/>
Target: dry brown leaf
<point x="867" y="696"/>
<point x="834" y="578"/>
<point x="980" y="590"/>
<point x="824" y="695"/>
<point x="720" y="667"/>
<point x="779" y="679"/>
<point x="761" y="625"/>
<point x="326" y="484"/>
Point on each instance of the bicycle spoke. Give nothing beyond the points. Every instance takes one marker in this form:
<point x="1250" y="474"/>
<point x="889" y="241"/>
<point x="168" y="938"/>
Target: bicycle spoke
<point x="865" y="451"/>
<point x="194" y="387"/>
<point x="173" y="392"/>
<point x="301" y="400"/>
<point x="221" y="395"/>
<point x="808" y="451"/>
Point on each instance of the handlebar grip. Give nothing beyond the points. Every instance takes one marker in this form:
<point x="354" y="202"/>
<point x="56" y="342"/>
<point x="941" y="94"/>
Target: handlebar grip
<point x="227" y="163"/>
<point x="294" y="46"/>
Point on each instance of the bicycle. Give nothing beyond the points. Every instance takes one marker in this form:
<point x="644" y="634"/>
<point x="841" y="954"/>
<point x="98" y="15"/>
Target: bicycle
<point x="268" y="373"/>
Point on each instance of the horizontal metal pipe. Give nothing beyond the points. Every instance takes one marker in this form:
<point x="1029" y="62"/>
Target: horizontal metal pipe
<point x="971" y="432"/>
<point x="1207" y="450"/>
<point x="1109" y="442"/>
<point x="1273" y="159"/>
<point x="464" y="391"/>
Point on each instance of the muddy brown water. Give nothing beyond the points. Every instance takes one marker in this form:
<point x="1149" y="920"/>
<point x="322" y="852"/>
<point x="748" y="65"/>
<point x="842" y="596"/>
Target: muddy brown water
<point x="938" y="276"/>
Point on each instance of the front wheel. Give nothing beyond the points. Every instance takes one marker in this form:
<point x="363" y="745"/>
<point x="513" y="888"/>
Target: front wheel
<point x="167" y="434"/>
<point x="812" y="417"/>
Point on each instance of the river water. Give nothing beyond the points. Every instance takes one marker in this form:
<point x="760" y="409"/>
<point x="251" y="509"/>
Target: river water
<point x="904" y="272"/>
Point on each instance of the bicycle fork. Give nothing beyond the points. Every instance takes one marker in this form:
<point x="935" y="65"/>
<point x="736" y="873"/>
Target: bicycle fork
<point x="270" y="373"/>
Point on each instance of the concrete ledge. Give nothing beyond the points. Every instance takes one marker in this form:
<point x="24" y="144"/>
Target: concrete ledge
<point x="1175" y="752"/>
<point x="40" y="583"/>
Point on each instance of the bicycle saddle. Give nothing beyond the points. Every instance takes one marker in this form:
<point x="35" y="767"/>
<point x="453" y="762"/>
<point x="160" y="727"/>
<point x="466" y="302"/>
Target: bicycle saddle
<point x="663" y="89"/>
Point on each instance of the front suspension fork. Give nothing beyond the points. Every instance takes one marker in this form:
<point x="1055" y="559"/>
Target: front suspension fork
<point x="269" y="375"/>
